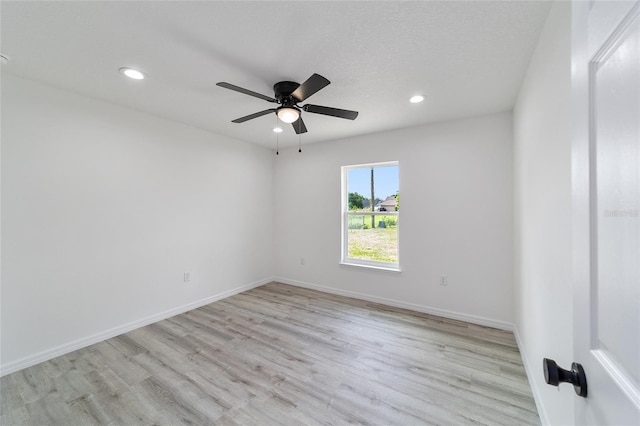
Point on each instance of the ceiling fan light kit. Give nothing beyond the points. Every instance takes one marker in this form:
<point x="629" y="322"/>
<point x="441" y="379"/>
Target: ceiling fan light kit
<point x="288" y="94"/>
<point x="288" y="115"/>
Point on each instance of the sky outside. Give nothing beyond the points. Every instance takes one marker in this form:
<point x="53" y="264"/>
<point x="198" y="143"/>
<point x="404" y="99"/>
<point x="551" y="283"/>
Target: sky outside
<point x="385" y="181"/>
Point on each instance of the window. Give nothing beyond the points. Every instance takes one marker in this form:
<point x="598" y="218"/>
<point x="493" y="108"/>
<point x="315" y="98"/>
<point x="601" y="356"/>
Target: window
<point x="371" y="215"/>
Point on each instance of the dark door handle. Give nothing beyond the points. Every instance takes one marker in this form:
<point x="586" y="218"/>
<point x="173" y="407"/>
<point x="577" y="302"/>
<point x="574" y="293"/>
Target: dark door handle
<point x="555" y="375"/>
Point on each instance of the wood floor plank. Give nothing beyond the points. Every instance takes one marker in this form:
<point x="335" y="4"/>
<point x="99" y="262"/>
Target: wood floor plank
<point x="282" y="355"/>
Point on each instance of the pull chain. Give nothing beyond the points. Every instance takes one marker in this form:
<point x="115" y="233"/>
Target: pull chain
<point x="277" y="138"/>
<point x="299" y="134"/>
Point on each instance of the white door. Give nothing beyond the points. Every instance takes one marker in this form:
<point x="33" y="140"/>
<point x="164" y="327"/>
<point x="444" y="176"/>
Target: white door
<point x="606" y="189"/>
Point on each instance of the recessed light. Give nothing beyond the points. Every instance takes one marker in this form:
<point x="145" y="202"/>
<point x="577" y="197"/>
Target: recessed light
<point x="4" y="59"/>
<point x="277" y="129"/>
<point x="131" y="73"/>
<point x="416" y="99"/>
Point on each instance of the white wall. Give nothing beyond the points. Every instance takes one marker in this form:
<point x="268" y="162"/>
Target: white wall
<point x="456" y="219"/>
<point x="105" y="208"/>
<point x="542" y="168"/>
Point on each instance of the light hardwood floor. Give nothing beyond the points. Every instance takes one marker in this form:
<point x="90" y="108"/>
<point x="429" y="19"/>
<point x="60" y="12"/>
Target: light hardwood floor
<point x="276" y="355"/>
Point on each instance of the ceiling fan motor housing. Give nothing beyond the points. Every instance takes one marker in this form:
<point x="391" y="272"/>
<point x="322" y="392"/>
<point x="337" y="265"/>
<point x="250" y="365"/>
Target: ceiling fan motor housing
<point x="283" y="91"/>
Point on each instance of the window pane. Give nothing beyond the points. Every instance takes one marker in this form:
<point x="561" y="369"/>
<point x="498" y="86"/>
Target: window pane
<point x="372" y="237"/>
<point x="371" y="212"/>
<point x="379" y="183"/>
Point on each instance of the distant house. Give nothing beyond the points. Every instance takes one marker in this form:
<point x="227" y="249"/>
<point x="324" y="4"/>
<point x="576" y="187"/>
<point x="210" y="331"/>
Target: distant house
<point x="366" y="204"/>
<point x="389" y="204"/>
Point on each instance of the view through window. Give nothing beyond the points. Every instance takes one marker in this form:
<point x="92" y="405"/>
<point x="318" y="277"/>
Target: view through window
<point x="371" y="212"/>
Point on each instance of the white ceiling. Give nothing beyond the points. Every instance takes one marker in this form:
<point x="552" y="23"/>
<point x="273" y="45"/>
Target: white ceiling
<point x="468" y="58"/>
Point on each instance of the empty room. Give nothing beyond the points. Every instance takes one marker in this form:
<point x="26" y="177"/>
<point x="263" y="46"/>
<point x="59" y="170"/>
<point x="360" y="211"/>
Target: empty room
<point x="320" y="212"/>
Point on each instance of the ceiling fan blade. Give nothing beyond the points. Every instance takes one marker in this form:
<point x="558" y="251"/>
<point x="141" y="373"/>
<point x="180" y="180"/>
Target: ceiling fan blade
<point x="245" y="91"/>
<point x="309" y="87"/>
<point x="254" y="115"/>
<point x="299" y="126"/>
<point x="335" y="112"/>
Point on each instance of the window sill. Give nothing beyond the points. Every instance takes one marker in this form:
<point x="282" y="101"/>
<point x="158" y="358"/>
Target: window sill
<point x="380" y="268"/>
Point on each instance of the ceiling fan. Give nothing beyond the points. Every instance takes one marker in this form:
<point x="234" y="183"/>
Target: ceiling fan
<point x="288" y="94"/>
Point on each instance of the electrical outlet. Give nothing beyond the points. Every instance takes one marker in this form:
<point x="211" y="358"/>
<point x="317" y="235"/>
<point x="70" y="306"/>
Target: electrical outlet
<point x="443" y="280"/>
<point x="187" y="277"/>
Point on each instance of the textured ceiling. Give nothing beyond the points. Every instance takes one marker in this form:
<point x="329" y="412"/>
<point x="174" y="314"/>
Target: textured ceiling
<point x="468" y="58"/>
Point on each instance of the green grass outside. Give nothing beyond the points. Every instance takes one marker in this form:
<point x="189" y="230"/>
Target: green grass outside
<point x="379" y="244"/>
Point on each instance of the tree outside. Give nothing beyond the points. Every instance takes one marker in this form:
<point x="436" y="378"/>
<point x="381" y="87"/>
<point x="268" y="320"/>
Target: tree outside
<point x="356" y="201"/>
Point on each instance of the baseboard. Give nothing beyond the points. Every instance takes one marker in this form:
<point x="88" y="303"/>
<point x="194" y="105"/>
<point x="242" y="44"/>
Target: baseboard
<point x="107" y="334"/>
<point x="531" y="376"/>
<point x="474" y="319"/>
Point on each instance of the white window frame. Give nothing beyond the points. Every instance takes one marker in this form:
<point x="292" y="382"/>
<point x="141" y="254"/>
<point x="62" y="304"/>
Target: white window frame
<point x="351" y="261"/>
